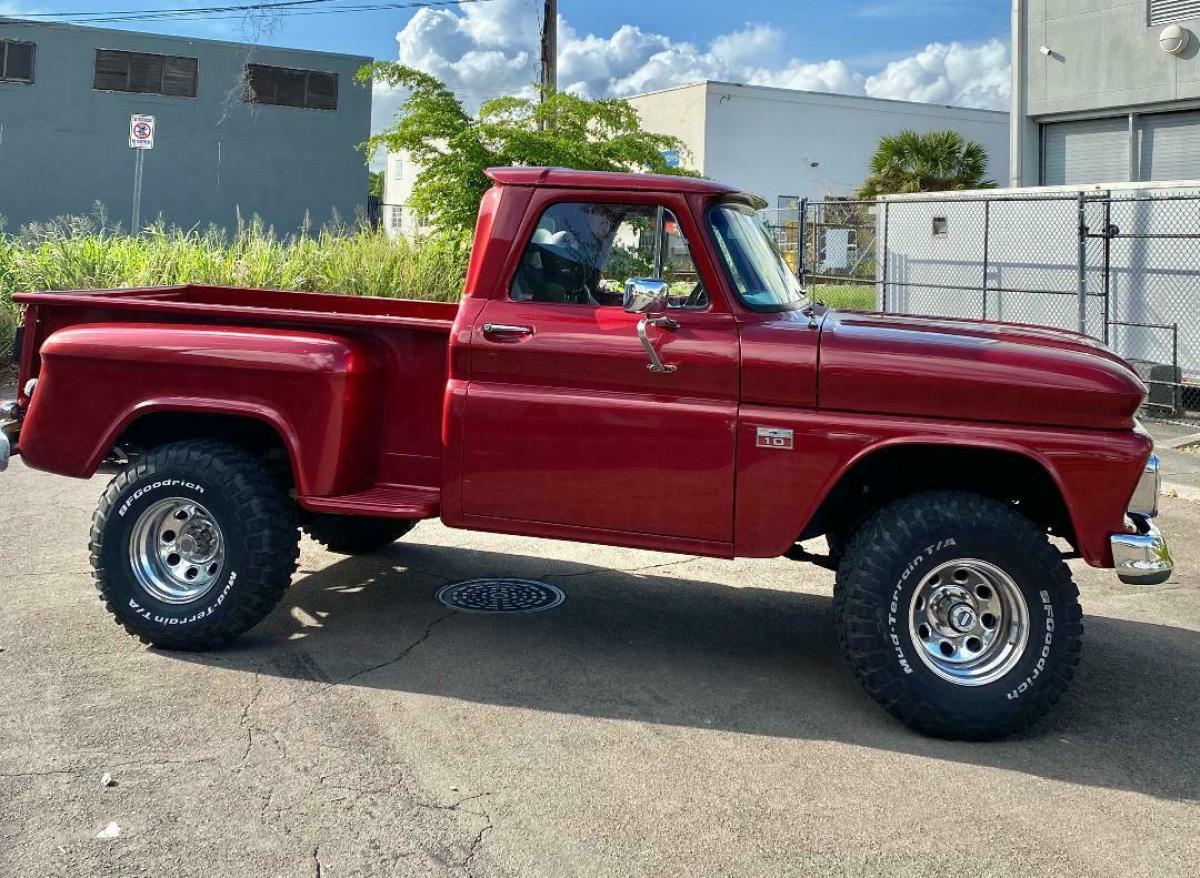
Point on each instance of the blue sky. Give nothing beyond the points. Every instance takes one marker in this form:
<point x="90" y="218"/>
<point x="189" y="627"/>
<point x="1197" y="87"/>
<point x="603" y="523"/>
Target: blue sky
<point x="866" y="31"/>
<point x="943" y="51"/>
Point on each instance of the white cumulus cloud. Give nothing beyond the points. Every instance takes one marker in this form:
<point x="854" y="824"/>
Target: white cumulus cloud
<point x="490" y="49"/>
<point x="969" y="76"/>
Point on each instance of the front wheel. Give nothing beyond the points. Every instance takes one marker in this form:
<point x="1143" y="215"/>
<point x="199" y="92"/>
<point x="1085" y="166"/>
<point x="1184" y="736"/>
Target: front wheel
<point x="958" y="615"/>
<point x="193" y="544"/>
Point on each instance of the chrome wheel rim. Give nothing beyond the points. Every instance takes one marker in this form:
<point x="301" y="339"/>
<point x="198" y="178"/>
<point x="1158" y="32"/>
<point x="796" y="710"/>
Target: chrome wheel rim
<point x="969" y="622"/>
<point x="177" y="551"/>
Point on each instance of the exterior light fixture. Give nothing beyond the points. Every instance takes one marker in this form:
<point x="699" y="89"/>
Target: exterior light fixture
<point x="1174" y="40"/>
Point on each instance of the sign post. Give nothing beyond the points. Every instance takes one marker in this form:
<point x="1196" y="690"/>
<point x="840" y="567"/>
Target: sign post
<point x="141" y="138"/>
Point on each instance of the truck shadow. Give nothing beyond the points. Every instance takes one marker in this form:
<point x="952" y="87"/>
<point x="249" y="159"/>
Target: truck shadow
<point x="654" y="648"/>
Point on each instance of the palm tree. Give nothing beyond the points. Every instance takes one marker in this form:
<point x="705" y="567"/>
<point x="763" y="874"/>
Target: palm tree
<point x="937" y="161"/>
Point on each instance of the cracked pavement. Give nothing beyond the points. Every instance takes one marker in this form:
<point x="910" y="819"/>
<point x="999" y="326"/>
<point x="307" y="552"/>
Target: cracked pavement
<point x="675" y="716"/>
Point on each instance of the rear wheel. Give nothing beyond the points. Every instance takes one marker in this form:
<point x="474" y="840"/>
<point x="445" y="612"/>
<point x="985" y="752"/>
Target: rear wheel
<point x="193" y="544"/>
<point x="958" y="615"/>
<point x="356" y="535"/>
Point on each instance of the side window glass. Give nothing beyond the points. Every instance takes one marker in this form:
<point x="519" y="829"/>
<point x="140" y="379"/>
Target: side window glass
<point x="582" y="253"/>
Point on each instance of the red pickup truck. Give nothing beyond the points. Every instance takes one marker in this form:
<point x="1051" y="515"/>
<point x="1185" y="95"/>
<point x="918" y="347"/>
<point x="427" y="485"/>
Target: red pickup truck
<point x="632" y="363"/>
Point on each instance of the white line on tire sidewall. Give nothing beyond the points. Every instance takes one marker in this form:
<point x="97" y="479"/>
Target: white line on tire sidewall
<point x="157" y="618"/>
<point x="918" y="561"/>
<point x="153" y="486"/>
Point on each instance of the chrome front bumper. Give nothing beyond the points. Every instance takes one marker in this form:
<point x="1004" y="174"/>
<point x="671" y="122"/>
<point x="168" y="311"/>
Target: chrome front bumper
<point x="1140" y="554"/>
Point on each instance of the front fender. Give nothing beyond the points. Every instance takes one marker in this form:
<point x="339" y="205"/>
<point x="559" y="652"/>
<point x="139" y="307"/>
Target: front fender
<point x="314" y="389"/>
<point x="779" y="490"/>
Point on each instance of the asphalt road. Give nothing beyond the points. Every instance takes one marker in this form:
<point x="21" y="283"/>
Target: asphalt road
<point x="674" y="717"/>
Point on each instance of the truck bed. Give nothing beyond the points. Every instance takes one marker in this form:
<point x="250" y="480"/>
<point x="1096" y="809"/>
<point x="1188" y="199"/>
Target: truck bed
<point x="395" y="415"/>
<point x="255" y="305"/>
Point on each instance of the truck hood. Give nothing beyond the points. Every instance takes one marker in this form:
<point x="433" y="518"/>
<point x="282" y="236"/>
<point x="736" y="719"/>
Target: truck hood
<point x="960" y="369"/>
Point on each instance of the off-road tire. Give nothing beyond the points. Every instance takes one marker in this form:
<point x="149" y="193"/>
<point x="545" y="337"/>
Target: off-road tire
<point x="259" y="526"/>
<point x="885" y="562"/>
<point x="354" y="534"/>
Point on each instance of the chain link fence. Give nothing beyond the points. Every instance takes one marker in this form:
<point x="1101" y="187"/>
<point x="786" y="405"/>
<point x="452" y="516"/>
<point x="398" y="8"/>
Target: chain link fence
<point x="832" y="245"/>
<point x="1120" y="266"/>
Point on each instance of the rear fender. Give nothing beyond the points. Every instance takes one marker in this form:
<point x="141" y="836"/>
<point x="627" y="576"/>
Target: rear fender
<point x="316" y="390"/>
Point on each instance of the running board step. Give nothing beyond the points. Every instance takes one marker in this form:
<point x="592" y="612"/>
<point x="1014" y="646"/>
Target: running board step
<point x="381" y="501"/>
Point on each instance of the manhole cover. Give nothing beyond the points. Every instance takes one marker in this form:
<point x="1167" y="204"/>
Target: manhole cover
<point x="501" y="596"/>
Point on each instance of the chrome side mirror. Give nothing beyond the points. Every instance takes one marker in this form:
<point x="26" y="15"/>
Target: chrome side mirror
<point x="646" y="295"/>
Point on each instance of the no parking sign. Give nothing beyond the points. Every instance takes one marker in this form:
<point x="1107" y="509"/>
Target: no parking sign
<point x="141" y="132"/>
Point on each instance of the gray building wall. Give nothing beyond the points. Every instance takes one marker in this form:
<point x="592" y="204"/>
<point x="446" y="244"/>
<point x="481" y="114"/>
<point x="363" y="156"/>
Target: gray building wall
<point x="64" y="146"/>
<point x="1087" y="59"/>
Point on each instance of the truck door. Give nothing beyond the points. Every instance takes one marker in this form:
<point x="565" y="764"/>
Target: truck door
<point x="568" y="430"/>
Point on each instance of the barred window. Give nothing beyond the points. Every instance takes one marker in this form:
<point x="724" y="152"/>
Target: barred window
<point x="1167" y="11"/>
<point x="145" y="73"/>
<point x="16" y="61"/>
<point x="285" y="87"/>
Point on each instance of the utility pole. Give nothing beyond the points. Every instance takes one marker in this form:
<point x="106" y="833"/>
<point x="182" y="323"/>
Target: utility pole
<point x="549" y="78"/>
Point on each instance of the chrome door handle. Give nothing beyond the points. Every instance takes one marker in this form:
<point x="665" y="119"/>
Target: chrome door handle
<point x="656" y="364"/>
<point x="506" y="329"/>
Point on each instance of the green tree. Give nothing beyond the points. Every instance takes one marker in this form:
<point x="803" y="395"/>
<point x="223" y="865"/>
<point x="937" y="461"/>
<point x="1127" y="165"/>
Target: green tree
<point x="375" y="189"/>
<point x="452" y="150"/>
<point x="938" y="161"/>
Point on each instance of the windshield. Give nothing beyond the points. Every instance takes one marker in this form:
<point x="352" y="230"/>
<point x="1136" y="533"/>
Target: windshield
<point x="759" y="274"/>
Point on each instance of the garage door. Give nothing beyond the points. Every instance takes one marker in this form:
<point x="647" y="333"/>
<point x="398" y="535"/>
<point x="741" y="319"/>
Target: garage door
<point x="1087" y="151"/>
<point x="1169" y="148"/>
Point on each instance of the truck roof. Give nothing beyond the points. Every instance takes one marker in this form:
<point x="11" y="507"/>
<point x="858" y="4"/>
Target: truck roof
<point x="570" y="179"/>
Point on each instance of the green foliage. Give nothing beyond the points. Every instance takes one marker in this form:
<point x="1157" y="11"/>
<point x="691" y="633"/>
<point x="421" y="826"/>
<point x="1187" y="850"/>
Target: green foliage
<point x="452" y="150"/>
<point x="75" y="254"/>
<point x="846" y="298"/>
<point x="938" y="161"/>
<point x="375" y="188"/>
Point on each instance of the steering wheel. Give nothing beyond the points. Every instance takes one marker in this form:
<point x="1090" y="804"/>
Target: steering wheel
<point x="698" y="297"/>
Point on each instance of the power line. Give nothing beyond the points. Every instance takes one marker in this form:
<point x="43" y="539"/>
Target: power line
<point x="182" y="11"/>
<point x="210" y="13"/>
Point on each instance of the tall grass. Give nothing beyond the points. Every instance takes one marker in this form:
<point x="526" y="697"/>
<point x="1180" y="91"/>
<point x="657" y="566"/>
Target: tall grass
<point x="81" y="253"/>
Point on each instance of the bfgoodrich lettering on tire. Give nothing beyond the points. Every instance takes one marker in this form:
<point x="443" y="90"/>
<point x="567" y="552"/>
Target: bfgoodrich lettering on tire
<point x="958" y="615"/>
<point x="193" y="544"/>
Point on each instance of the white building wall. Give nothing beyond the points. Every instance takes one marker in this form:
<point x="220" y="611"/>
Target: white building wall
<point x="779" y="142"/>
<point x="400" y="173"/>
<point x="679" y="112"/>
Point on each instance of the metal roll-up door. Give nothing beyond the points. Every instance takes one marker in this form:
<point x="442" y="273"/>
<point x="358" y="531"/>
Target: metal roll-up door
<point x="1087" y="151"/>
<point x="1169" y="146"/>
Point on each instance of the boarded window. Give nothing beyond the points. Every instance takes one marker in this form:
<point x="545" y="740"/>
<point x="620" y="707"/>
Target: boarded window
<point x="1167" y="11"/>
<point x="145" y="73"/>
<point x="285" y="87"/>
<point x="16" y="61"/>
